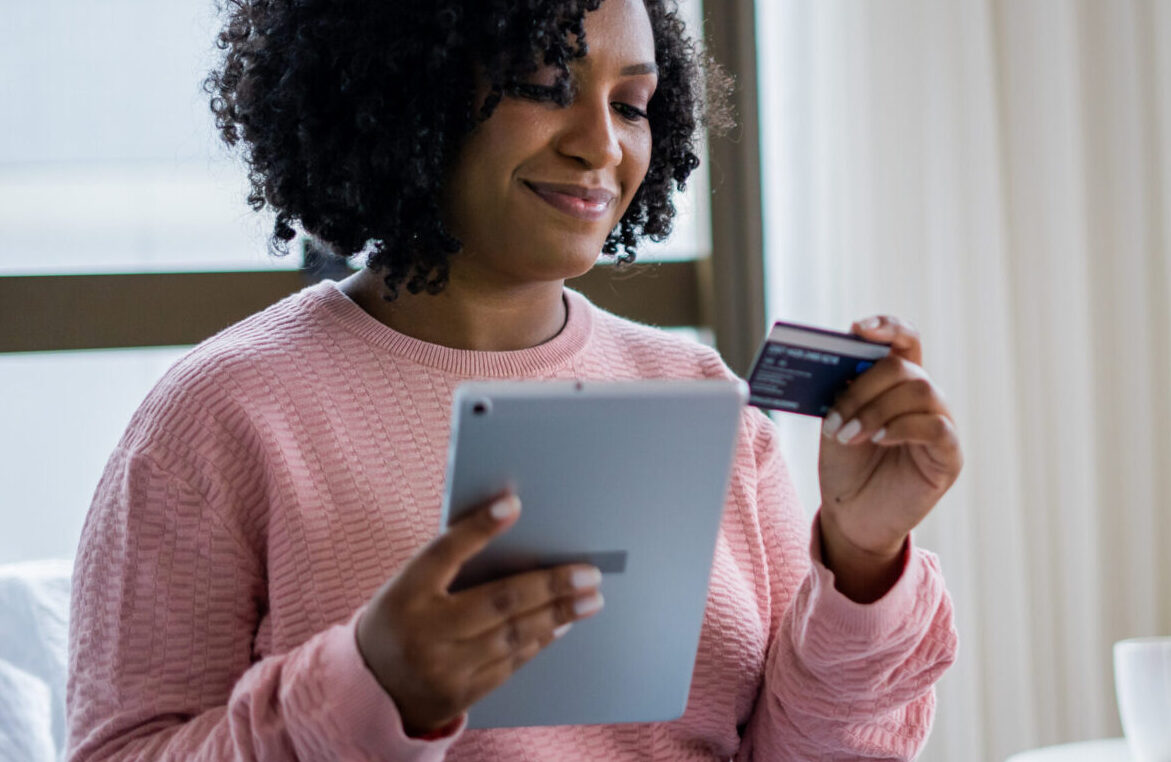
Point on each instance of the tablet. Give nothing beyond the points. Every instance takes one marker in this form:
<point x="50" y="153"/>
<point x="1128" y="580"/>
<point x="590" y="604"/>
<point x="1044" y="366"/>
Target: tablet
<point x="629" y="476"/>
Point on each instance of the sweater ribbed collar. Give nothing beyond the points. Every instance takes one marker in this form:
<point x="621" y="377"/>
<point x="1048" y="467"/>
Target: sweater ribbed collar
<point x="554" y="353"/>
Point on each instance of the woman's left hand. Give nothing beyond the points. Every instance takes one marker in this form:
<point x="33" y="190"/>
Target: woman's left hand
<point x="889" y="452"/>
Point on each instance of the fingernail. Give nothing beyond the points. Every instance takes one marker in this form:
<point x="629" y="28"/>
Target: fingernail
<point x="583" y="578"/>
<point x="505" y="508"/>
<point x="849" y="431"/>
<point x="587" y="605"/>
<point x="878" y="435"/>
<point x="557" y="633"/>
<point x="870" y="323"/>
<point x="833" y="422"/>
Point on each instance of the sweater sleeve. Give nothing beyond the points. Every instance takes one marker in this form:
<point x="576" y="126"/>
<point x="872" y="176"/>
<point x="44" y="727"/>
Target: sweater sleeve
<point x="166" y="603"/>
<point x="843" y="681"/>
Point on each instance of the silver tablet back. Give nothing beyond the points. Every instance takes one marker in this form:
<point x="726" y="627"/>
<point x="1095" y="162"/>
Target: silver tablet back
<point x="629" y="476"/>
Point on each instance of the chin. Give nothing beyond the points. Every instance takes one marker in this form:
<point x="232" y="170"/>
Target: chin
<point x="585" y="263"/>
<point x="569" y="259"/>
<point x="565" y="269"/>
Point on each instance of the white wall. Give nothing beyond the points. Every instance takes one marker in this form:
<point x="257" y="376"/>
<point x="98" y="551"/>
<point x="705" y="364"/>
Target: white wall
<point x="63" y="413"/>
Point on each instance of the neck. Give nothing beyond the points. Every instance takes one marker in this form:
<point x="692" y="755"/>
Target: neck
<point x="466" y="315"/>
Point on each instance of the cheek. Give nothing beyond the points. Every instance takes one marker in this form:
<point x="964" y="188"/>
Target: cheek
<point x="637" y="161"/>
<point x="476" y="182"/>
<point x="515" y="131"/>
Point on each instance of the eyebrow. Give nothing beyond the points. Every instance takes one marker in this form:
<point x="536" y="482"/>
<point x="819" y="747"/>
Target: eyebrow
<point x="642" y="68"/>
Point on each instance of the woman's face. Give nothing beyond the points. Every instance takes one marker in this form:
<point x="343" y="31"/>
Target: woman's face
<point x="537" y="187"/>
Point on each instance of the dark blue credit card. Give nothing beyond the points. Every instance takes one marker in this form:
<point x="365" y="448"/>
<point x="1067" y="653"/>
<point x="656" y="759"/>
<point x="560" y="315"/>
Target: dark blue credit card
<point x="803" y="370"/>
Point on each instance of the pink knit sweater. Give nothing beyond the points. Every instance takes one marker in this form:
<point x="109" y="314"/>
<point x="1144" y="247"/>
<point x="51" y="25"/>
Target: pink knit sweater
<point x="284" y="469"/>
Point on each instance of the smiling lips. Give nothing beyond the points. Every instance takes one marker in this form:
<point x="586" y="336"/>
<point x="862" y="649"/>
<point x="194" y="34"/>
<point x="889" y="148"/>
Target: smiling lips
<point x="590" y="204"/>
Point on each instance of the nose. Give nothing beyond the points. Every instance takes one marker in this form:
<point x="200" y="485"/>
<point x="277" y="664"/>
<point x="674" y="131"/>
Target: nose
<point x="589" y="134"/>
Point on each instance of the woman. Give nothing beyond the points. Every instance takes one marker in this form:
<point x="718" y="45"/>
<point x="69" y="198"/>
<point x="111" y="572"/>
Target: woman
<point x="257" y="577"/>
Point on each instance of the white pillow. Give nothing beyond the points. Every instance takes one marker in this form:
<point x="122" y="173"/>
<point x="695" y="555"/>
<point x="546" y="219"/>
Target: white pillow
<point x="26" y="731"/>
<point x="34" y="637"/>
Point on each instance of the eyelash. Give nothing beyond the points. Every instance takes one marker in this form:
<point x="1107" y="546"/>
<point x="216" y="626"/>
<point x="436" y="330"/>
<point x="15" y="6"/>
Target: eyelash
<point x="545" y="94"/>
<point x="633" y="114"/>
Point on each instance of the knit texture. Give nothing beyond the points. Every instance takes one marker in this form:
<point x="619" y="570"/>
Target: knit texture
<point x="286" y="468"/>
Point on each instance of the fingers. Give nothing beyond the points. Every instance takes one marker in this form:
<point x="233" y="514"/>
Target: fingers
<point x="916" y="392"/>
<point x="436" y="565"/>
<point x="542" y="625"/>
<point x="517" y="642"/>
<point x="900" y="334"/>
<point x="924" y="428"/>
<point x="898" y="404"/>
<point x="486" y="607"/>
<point x="436" y="652"/>
<point x="502" y="650"/>
<point x="491" y="676"/>
<point x="895" y="387"/>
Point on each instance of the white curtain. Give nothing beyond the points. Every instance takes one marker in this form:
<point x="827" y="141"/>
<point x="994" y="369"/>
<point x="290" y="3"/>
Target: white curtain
<point x="1000" y="174"/>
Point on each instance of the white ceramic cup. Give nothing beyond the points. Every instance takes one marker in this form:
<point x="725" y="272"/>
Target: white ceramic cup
<point x="1142" y="678"/>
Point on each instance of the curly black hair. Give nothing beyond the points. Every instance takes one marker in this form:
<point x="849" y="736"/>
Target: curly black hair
<point x="351" y="111"/>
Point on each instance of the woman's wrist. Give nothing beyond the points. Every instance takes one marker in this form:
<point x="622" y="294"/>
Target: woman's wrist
<point x="443" y="731"/>
<point x="863" y="575"/>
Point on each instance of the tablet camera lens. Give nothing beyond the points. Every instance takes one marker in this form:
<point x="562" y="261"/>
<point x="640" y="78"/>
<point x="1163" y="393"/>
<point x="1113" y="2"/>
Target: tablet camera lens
<point x="481" y="407"/>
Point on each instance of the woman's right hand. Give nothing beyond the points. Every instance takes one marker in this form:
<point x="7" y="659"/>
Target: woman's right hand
<point x="436" y="653"/>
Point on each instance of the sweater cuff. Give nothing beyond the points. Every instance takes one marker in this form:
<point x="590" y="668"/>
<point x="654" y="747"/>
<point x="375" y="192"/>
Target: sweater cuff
<point x="367" y="719"/>
<point x="890" y="612"/>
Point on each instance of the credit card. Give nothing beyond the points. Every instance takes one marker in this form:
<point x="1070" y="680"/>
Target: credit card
<point x="800" y="369"/>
